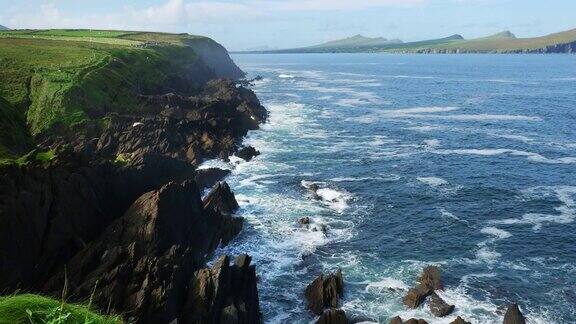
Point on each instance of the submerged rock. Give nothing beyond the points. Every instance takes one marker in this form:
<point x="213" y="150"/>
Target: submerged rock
<point x="333" y="316"/>
<point x="513" y="315"/>
<point x="324" y="292"/>
<point x="304" y="221"/>
<point x="459" y="320"/>
<point x="438" y="306"/>
<point x="247" y="153"/>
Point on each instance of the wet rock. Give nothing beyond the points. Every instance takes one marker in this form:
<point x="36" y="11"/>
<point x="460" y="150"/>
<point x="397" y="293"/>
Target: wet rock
<point x="304" y="221"/>
<point x="207" y="178"/>
<point x="431" y="278"/>
<point x="438" y="306"/>
<point x="324" y="292"/>
<point x="416" y="296"/>
<point x="459" y="320"/>
<point x="247" y="153"/>
<point x="333" y="316"/>
<point x="221" y="199"/>
<point x="398" y="320"/>
<point x="513" y="315"/>
<point x="224" y="293"/>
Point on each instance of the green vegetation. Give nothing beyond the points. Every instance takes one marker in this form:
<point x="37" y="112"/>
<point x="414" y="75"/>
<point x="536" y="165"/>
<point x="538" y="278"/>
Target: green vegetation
<point x="35" y="309"/>
<point x="56" y="79"/>
<point x="32" y="157"/>
<point x="122" y="160"/>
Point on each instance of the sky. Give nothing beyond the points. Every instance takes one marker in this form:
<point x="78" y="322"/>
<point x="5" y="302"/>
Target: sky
<point x="251" y="24"/>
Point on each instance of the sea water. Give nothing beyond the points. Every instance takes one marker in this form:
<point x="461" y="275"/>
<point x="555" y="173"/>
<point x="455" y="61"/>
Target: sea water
<point x="467" y="162"/>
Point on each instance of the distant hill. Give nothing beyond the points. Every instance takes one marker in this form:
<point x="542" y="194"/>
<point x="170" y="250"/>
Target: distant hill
<point x="350" y="44"/>
<point x="503" y="42"/>
<point x="4" y="28"/>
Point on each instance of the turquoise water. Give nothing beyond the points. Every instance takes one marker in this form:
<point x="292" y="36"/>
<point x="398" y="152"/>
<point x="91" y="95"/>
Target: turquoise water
<point x="467" y="162"/>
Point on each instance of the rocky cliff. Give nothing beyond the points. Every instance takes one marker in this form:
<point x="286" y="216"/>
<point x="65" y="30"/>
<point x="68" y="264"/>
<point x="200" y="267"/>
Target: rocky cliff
<point x="117" y="214"/>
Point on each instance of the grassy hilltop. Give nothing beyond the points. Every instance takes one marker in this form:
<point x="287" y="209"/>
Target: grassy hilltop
<point x="58" y="78"/>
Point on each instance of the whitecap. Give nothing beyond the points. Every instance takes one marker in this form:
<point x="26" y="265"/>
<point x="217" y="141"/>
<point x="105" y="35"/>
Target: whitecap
<point x="337" y="200"/>
<point x="534" y="157"/>
<point x="286" y="76"/>
<point x="487" y="255"/>
<point x="498" y="233"/>
<point x="386" y="284"/>
<point x="432" y="181"/>
<point x="432" y="143"/>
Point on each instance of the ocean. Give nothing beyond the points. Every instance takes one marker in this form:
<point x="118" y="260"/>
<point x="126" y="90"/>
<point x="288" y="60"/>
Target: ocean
<point x="467" y="162"/>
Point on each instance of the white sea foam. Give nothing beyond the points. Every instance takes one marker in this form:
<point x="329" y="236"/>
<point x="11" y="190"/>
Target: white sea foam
<point x="432" y="181"/>
<point x="487" y="255"/>
<point x="286" y="76"/>
<point x="497" y="233"/>
<point x="337" y="200"/>
<point x="566" y="211"/>
<point x="386" y="284"/>
<point x="534" y="157"/>
<point x="432" y="143"/>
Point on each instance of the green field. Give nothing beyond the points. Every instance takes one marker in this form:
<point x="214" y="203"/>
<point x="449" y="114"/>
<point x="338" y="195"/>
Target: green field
<point x="35" y="309"/>
<point x="55" y="79"/>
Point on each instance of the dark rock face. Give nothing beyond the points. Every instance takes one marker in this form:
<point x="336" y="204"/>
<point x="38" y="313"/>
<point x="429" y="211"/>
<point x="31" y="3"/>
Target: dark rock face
<point x="224" y="294"/>
<point x="438" y="306"/>
<point x="304" y="221"/>
<point x="513" y="315"/>
<point x="143" y="262"/>
<point x="216" y="58"/>
<point x="396" y="320"/>
<point x="429" y="280"/>
<point x="221" y="199"/>
<point x="324" y="292"/>
<point x="247" y="153"/>
<point x="333" y="316"/>
<point x="459" y="320"/>
<point x="207" y="178"/>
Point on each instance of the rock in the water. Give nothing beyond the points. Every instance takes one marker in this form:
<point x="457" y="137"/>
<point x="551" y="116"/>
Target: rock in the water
<point x="333" y="316"/>
<point x="416" y="296"/>
<point x="513" y="315"/>
<point x="247" y="153"/>
<point x="324" y="292"/>
<point x="431" y="278"/>
<point x="398" y="320"/>
<point x="459" y="320"/>
<point x="224" y="294"/>
<point x="304" y="221"/>
<point x="438" y="306"/>
<point x="221" y="199"/>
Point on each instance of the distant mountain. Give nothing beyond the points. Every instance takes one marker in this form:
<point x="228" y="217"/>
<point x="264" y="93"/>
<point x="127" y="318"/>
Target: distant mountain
<point x="4" y="28"/>
<point x="356" y="41"/>
<point x="503" y="42"/>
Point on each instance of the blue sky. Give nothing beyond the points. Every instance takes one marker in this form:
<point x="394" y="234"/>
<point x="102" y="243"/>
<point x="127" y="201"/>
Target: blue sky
<point x="243" y="24"/>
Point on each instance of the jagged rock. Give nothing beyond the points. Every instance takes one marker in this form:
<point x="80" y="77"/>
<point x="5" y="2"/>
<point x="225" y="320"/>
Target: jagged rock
<point x="224" y="293"/>
<point x="398" y="320"/>
<point x="459" y="320"/>
<point x="207" y="178"/>
<point x="513" y="315"/>
<point x="247" y="153"/>
<point x="416" y="296"/>
<point x="431" y="278"/>
<point x="143" y="261"/>
<point x="324" y="292"/>
<point x="304" y="221"/>
<point x="438" y="306"/>
<point x="333" y="316"/>
<point x="221" y="199"/>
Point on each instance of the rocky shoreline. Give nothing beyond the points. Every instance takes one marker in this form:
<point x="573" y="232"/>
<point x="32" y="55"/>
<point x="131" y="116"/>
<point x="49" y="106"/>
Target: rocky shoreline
<point x="118" y="216"/>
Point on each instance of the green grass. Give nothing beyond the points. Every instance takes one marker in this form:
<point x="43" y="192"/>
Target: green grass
<point x="35" y="309"/>
<point x="121" y="160"/>
<point x="32" y="157"/>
